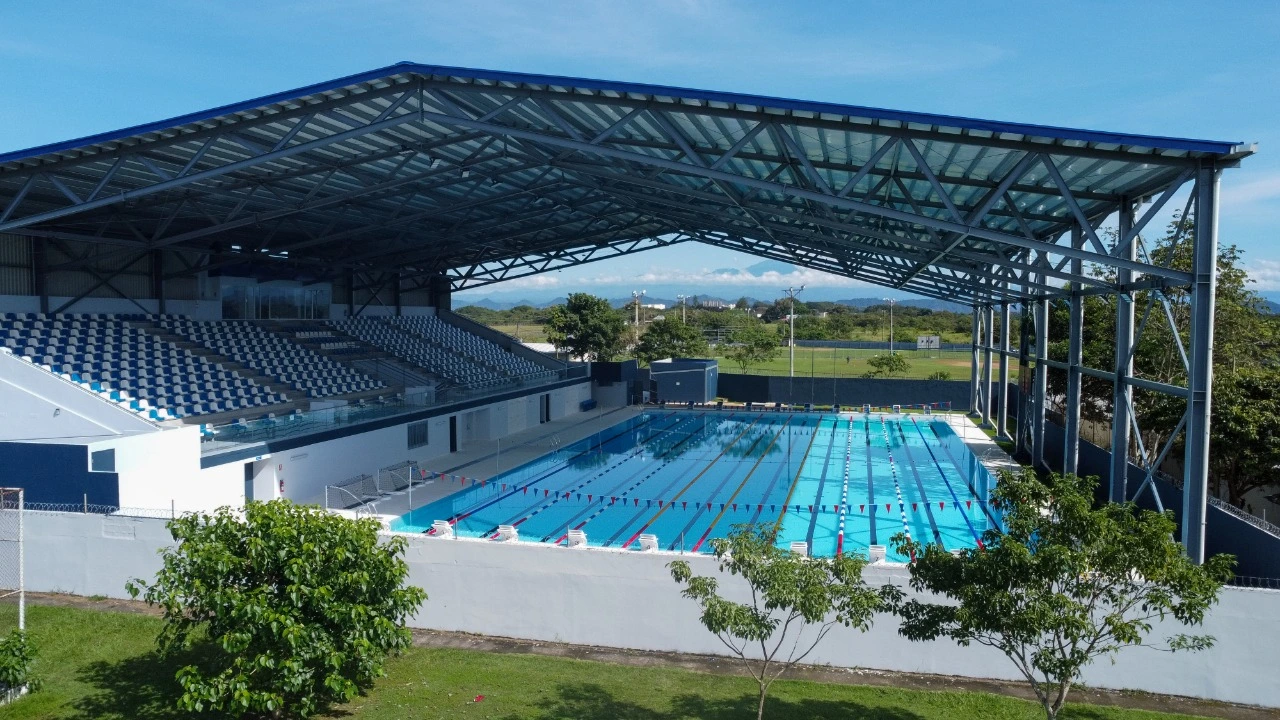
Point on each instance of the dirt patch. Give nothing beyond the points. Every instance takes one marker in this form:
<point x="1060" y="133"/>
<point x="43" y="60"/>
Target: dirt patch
<point x="726" y="666"/>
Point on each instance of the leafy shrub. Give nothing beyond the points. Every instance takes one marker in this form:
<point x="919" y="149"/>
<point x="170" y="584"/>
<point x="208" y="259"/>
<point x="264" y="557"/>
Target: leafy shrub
<point x="939" y="375"/>
<point x="16" y="658"/>
<point x="301" y="607"/>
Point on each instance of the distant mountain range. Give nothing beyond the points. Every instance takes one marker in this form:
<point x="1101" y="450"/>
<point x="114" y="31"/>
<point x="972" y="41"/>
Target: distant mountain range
<point x="859" y="303"/>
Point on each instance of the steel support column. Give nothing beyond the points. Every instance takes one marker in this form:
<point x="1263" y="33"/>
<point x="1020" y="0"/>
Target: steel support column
<point x="1002" y="412"/>
<point x="1195" y="482"/>
<point x="989" y="340"/>
<point x="157" y="279"/>
<point x="973" y="365"/>
<point x="396" y="293"/>
<point x="1075" y="358"/>
<point x="40" y="271"/>
<point x="351" y="293"/>
<point x="1122" y="391"/>
<point x="1041" y="387"/>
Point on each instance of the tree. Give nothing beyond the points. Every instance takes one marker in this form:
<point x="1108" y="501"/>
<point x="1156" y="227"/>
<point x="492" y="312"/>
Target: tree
<point x="586" y="326"/>
<point x="752" y="343"/>
<point x="1062" y="583"/>
<point x="889" y="365"/>
<point x="1245" y="429"/>
<point x="670" y="338"/>
<point x="300" y="605"/>
<point x="789" y="592"/>
<point x="741" y="304"/>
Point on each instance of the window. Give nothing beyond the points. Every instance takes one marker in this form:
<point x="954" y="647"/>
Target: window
<point x="103" y="460"/>
<point x="418" y="434"/>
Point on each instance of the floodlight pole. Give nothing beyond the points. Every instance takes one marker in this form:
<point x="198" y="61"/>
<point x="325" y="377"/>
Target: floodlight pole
<point x="891" y="303"/>
<point x="683" y="318"/>
<point x="637" y="295"/>
<point x="792" y="292"/>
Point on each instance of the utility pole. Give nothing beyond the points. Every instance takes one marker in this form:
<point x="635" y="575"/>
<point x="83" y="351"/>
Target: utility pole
<point x="791" y="291"/>
<point x="891" y="302"/>
<point x="683" y="318"/>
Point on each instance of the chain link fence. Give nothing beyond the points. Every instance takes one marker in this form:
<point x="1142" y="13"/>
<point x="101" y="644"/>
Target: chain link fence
<point x="12" y="566"/>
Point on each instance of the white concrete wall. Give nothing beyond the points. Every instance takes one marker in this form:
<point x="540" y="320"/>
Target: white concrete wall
<point x="627" y="599"/>
<point x="36" y="405"/>
<point x="162" y="470"/>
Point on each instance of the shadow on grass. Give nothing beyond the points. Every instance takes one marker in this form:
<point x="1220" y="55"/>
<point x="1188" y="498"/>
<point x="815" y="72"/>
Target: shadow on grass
<point x="143" y="687"/>
<point x="588" y="700"/>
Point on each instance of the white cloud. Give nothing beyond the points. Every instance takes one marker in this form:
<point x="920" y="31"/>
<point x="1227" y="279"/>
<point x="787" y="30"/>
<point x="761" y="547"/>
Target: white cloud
<point x="773" y="279"/>
<point x="1265" y="273"/>
<point x="1253" y="192"/>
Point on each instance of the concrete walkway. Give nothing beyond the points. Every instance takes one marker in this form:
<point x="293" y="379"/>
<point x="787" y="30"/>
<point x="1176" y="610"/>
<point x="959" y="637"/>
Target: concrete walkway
<point x="484" y="459"/>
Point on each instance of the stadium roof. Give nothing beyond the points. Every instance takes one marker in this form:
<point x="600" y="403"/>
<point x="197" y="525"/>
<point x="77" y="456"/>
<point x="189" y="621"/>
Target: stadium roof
<point x="421" y="170"/>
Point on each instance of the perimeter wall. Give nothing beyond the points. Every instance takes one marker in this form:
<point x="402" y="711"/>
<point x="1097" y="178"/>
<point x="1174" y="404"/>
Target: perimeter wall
<point x="628" y="600"/>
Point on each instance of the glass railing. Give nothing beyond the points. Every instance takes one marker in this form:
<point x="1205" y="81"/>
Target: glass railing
<point x="225" y="438"/>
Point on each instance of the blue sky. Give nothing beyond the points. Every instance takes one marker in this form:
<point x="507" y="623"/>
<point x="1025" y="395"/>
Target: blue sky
<point x="1187" y="69"/>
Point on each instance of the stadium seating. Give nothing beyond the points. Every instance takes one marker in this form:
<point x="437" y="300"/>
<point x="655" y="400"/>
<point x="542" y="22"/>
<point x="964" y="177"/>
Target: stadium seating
<point x="481" y="351"/>
<point x="274" y="356"/>
<point x="127" y="365"/>
<point x="457" y="356"/>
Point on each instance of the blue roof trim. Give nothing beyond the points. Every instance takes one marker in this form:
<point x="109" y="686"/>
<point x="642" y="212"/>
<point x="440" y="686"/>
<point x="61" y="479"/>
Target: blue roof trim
<point x="1091" y="136"/>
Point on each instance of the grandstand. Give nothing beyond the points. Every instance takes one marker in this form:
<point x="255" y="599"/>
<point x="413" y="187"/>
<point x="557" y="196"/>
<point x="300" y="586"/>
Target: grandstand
<point x="268" y="270"/>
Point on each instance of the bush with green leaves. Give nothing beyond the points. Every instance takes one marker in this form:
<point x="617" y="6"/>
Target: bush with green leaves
<point x="1061" y="583"/>
<point x="16" y="658"/>
<point x="301" y="607"/>
<point x="789" y="593"/>
<point x="889" y="365"/>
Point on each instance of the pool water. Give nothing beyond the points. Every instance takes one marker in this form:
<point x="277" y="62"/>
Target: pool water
<point x="837" y="482"/>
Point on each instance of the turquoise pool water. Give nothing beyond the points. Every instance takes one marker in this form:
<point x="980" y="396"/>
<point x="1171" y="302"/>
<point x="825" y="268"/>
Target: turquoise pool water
<point x="839" y="483"/>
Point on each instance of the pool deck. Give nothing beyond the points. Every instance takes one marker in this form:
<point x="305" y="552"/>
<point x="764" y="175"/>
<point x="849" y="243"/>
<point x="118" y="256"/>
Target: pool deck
<point x="484" y="459"/>
<point x="992" y="456"/>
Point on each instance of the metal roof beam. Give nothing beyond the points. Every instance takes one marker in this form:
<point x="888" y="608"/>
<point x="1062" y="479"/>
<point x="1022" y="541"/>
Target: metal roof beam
<point x="857" y="206"/>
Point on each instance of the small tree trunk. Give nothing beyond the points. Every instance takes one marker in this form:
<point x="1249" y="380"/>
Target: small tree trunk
<point x="764" y="689"/>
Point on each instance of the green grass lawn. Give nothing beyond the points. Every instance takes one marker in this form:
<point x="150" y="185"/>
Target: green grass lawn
<point x="97" y="664"/>
<point x="838" y="362"/>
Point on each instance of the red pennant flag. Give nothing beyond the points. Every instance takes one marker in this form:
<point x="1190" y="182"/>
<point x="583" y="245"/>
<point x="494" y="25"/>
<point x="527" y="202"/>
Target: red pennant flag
<point x="659" y="503"/>
<point x="759" y="508"/>
<point x="526" y="489"/>
<point x="913" y="507"/>
<point x="684" y="505"/>
<point x="968" y="503"/>
<point x="422" y="474"/>
<point x="708" y="506"/>
<point x="637" y="501"/>
<point x="835" y="509"/>
<point x="481" y="483"/>
<point x="942" y="506"/>
<point x="566" y="496"/>
<point x="862" y="508"/>
<point x="504" y="487"/>
<point x="546" y="492"/>
<point x="613" y="499"/>
<point x="810" y="508"/>
<point x="887" y="507"/>
<point x="588" y="498"/>
<point x="735" y="507"/>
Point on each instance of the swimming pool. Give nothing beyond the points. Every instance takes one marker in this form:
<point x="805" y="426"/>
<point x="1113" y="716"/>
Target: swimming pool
<point x="837" y="482"/>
